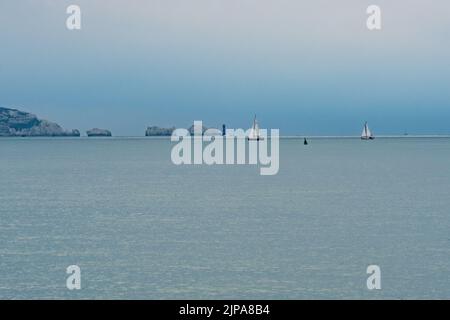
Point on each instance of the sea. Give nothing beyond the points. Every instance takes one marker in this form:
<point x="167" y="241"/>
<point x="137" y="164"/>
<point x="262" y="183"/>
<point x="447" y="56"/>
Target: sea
<point x="140" y="227"/>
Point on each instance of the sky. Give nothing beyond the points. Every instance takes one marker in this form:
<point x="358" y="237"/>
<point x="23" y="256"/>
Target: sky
<point x="304" y="67"/>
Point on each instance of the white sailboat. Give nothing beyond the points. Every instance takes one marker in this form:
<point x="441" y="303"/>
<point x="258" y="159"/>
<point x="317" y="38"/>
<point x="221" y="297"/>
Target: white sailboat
<point x="254" y="132"/>
<point x="367" y="134"/>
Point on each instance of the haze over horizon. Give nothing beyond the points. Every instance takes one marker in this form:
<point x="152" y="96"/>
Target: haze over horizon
<point x="308" y="68"/>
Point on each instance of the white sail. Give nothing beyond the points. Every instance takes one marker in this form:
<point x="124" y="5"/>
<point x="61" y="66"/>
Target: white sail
<point x="254" y="131"/>
<point x="256" y="128"/>
<point x="252" y="134"/>
<point x="366" y="134"/>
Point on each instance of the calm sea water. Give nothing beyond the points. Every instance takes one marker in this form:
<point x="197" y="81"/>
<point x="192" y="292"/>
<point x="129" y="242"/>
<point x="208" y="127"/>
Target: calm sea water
<point x="140" y="227"/>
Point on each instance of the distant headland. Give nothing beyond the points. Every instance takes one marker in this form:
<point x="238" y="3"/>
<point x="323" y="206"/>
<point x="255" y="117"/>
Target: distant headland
<point x="15" y="123"/>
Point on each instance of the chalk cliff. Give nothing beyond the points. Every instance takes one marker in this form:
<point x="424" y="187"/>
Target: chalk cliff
<point x="15" y="123"/>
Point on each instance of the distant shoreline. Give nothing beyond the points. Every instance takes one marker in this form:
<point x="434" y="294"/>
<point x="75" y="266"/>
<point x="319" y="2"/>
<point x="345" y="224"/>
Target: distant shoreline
<point x="19" y="124"/>
<point x="293" y="137"/>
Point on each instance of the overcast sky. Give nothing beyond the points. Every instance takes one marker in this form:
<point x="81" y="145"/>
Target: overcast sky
<point x="305" y="67"/>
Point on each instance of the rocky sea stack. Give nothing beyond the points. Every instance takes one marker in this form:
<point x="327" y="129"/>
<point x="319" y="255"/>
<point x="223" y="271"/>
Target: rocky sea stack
<point x="15" y="123"/>
<point x="98" y="133"/>
<point x="206" y="131"/>
<point x="157" y="131"/>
